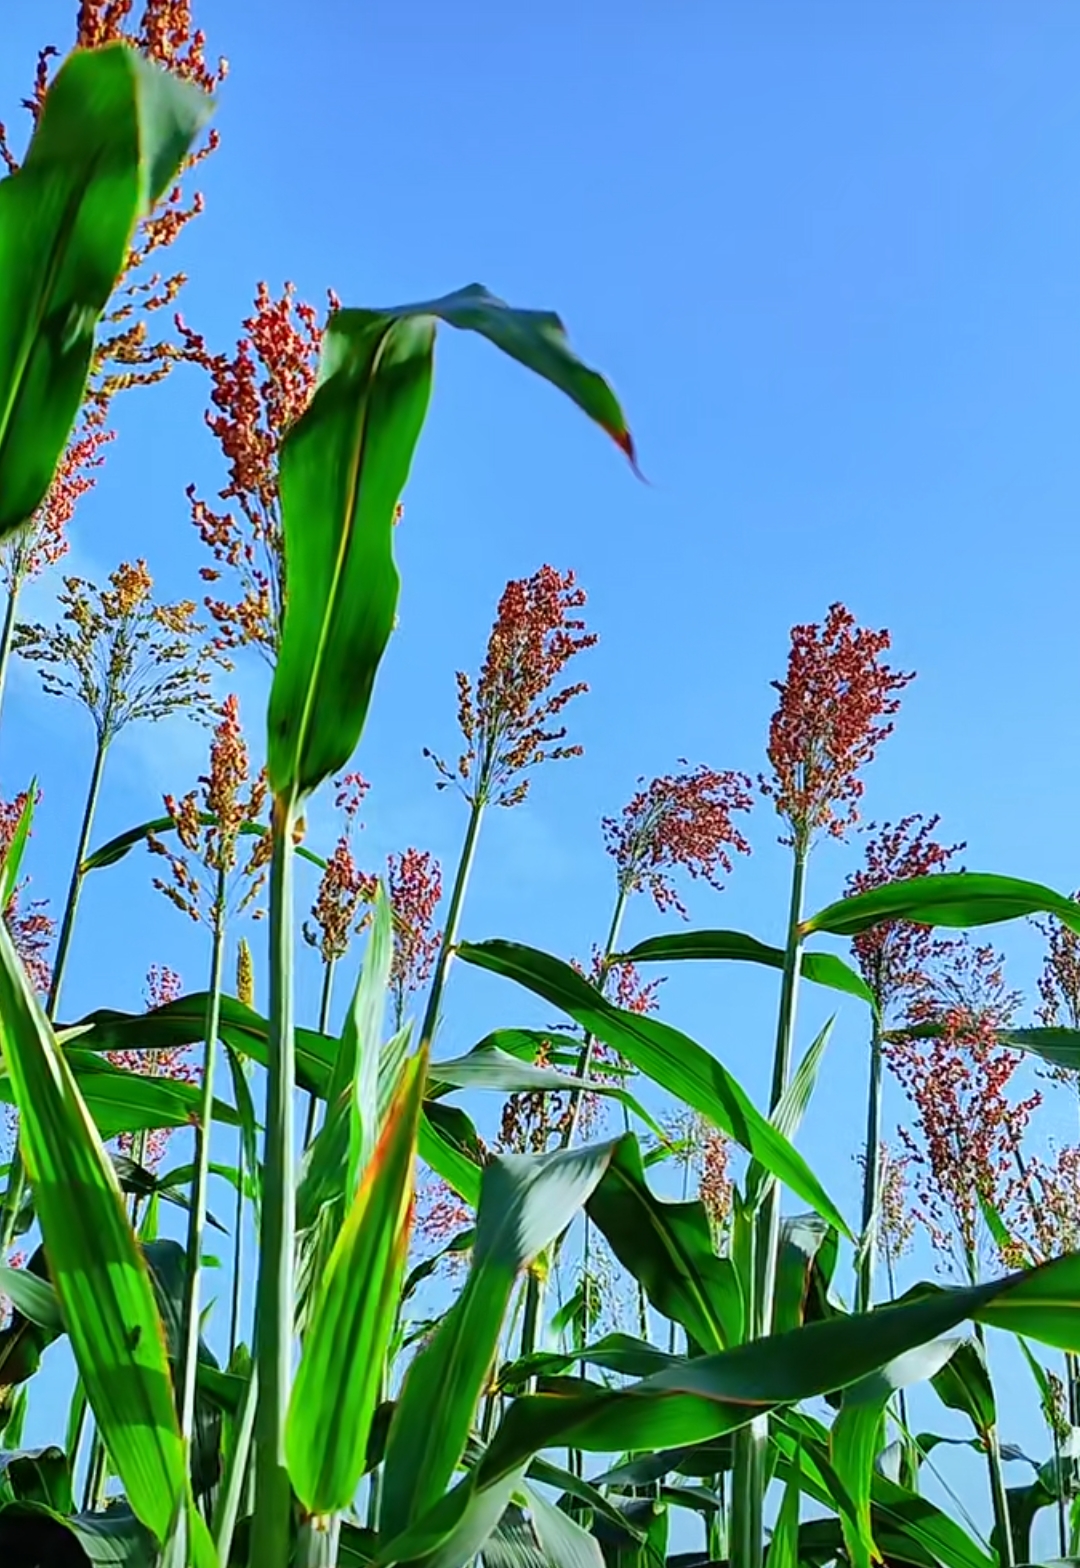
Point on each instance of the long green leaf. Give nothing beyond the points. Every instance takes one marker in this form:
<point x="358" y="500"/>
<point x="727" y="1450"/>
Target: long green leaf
<point x="117" y="848"/>
<point x="343" y="467"/>
<point x="663" y="1054"/>
<point x="710" y="1395"/>
<point x="784" y="1546"/>
<point x="111" y="136"/>
<point x="339" y="1380"/>
<point x="948" y="898"/>
<point x="99" y="1274"/>
<point x="121" y="1101"/>
<point x="35" y="1533"/>
<point x="820" y="968"/>
<point x="668" y="1247"/>
<point x="525" y="1202"/>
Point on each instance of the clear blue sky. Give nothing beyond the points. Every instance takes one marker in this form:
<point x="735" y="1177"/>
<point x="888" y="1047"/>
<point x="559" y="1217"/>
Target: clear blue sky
<point x="829" y="256"/>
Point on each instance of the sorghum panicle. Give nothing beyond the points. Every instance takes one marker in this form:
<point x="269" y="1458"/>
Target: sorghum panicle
<point x="835" y="709"/>
<point x="414" y="886"/>
<point x="343" y="888"/>
<point x="509" y="720"/>
<point x="893" y="958"/>
<point x="680" y="821"/>
<point x="30" y="928"/>
<point x="163" y="985"/>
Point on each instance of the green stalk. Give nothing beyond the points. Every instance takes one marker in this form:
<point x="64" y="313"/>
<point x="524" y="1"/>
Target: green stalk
<point x="189" y="1338"/>
<point x="8" y="631"/>
<point x="238" y="1250"/>
<point x="750" y="1478"/>
<point x="998" y="1495"/>
<point x="453" y="918"/>
<point x="864" y="1285"/>
<point x="584" y="1061"/>
<point x="231" y="1493"/>
<point x="274" y="1315"/>
<point x="71" y="903"/>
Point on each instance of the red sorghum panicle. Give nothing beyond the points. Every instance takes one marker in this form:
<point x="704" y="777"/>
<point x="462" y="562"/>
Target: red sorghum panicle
<point x="1059" y="981"/>
<point x="163" y="985"/>
<point x="414" y="886"/>
<point x="30" y="928"/>
<point x="834" y="711"/>
<point x="125" y="355"/>
<point x="229" y="802"/>
<point x="967" y="1128"/>
<point x="894" y="957"/>
<point x="255" y="395"/>
<point x="896" y="1222"/>
<point x="343" y="888"/>
<point x="1048" y="1200"/>
<point x="509" y="722"/>
<point x="682" y="820"/>
<point x="441" y="1216"/>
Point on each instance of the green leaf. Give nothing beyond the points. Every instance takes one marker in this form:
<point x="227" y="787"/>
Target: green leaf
<point x="112" y="134"/>
<point x="35" y="1298"/>
<point x="183" y="1022"/>
<point x="820" y="968"/>
<point x="803" y="1237"/>
<point x="620" y="1353"/>
<point x="100" y="1277"/>
<point x="356" y="1067"/>
<point x="452" y="1532"/>
<point x="488" y="1067"/>
<point x="32" y="1533"/>
<point x="40" y="1476"/>
<point x="663" y="1054"/>
<point x="446" y="1159"/>
<point x="784" y="1545"/>
<point x="12" y="861"/>
<point x="790" y="1109"/>
<point x="343" y="467"/>
<point x="947" y="898"/>
<point x="121" y="1101"/>
<point x="963" y="1383"/>
<point x="563" y="1543"/>
<point x="856" y="1435"/>
<point x="705" y="1397"/>
<point x="340" y="1375"/>
<point x="117" y="848"/>
<point x="668" y="1247"/>
<point x="525" y="1202"/>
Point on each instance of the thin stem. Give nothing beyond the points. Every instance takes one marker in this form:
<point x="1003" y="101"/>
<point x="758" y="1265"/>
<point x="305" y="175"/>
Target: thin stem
<point x="453" y="918"/>
<point x="589" y="1043"/>
<point x="9" y="628"/>
<point x="231" y="1495"/>
<point x="189" y="1341"/>
<point x="275" y="1301"/>
<point x="864" y="1285"/>
<point x="998" y="1494"/>
<point x="238" y="1250"/>
<point x="71" y="903"/>
<point x="324" y="1026"/>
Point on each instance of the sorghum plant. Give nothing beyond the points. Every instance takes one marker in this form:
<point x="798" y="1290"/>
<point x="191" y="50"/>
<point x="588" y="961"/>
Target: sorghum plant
<point x="163" y="985"/>
<point x="509" y="721"/>
<point x="126" y="355"/>
<point x="256" y="395"/>
<point x="414" y="886"/>
<point x="894" y="960"/>
<point x="342" y="892"/>
<point x="125" y="659"/>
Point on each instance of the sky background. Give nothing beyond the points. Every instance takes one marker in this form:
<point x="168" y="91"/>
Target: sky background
<point x="828" y="256"/>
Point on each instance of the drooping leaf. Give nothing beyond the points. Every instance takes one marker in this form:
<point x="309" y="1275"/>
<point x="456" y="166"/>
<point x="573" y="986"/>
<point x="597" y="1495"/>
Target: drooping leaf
<point x="35" y="1298"/>
<point x="669" y="1248"/>
<point x="343" y="468"/>
<point x="98" y="1272"/>
<point x="963" y="1383"/>
<point x="447" y="1159"/>
<point x="488" y="1067"/>
<point x="947" y="898"/>
<point x="32" y="1533"/>
<point x="525" y="1202"/>
<point x="620" y="1353"/>
<point x="784" y="1545"/>
<point x="117" y="848"/>
<point x="41" y="1475"/>
<point x="663" y="1054"/>
<point x="339" y="1380"/>
<point x="112" y="133"/>
<point x="820" y="968"/>
<point x="121" y="1101"/>
<point x="802" y="1239"/>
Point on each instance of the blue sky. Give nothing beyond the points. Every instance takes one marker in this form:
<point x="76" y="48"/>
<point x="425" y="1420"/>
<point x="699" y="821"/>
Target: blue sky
<point x="828" y="256"/>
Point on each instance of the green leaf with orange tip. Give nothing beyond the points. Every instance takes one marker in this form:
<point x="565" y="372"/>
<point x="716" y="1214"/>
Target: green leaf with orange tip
<point x="113" y="132"/>
<point x="666" y="1055"/>
<point x="339" y="1379"/>
<point x="344" y="465"/>
<point x="99" y="1274"/>
<point x="947" y="898"/>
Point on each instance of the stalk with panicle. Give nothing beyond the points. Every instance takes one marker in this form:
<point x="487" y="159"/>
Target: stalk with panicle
<point x="836" y="705"/>
<point x="509" y="723"/>
<point x="893" y="959"/>
<point x="125" y="659"/>
<point x="126" y="355"/>
<point x="230" y="801"/>
<point x="967" y="1129"/>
